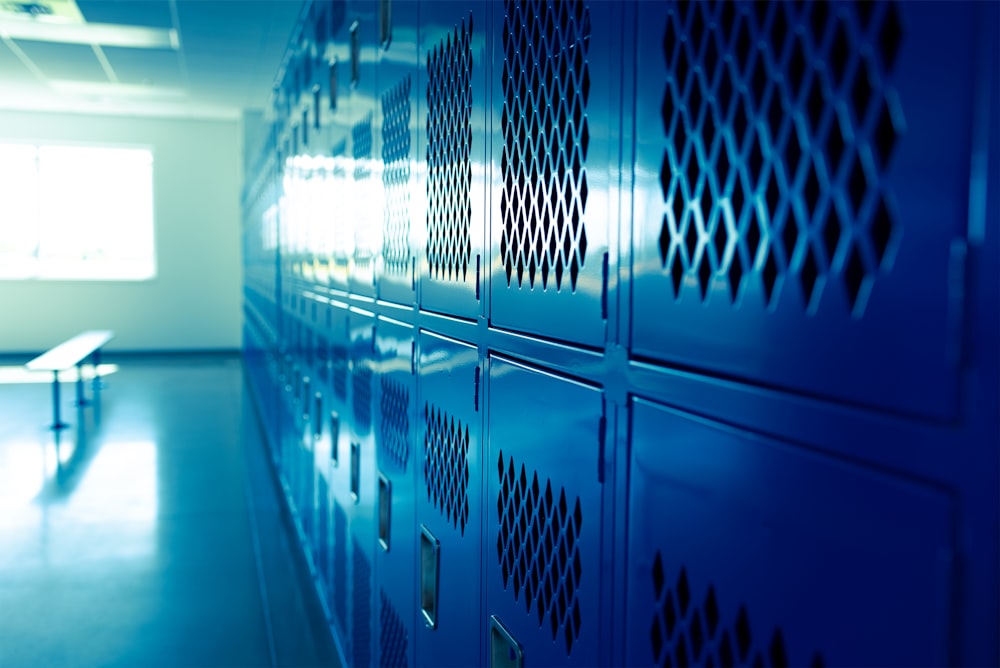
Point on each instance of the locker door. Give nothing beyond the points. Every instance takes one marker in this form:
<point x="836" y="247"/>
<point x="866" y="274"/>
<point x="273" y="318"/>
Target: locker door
<point x="544" y="500"/>
<point x="449" y="504"/>
<point x="399" y="101"/>
<point x="395" y="551"/>
<point x="362" y="487"/>
<point x="743" y="550"/>
<point x="366" y="149"/>
<point x="452" y="151"/>
<point x="338" y="466"/>
<point x="802" y="192"/>
<point x="556" y="86"/>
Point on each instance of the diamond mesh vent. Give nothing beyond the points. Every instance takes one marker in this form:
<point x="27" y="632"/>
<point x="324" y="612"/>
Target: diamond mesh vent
<point x="340" y="563"/>
<point x="339" y="359"/>
<point x="392" y="636"/>
<point x="362" y="382"/>
<point x="361" y="145"/>
<point x="449" y="145"/>
<point x="396" y="109"/>
<point x="394" y="425"/>
<point x="538" y="551"/>
<point x="361" y="635"/>
<point x="781" y="122"/>
<point x="690" y="631"/>
<point x="546" y="84"/>
<point x="446" y="465"/>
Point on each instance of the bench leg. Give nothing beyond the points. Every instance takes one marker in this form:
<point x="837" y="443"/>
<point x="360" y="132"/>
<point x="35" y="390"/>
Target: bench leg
<point x="57" y="423"/>
<point x="81" y="395"/>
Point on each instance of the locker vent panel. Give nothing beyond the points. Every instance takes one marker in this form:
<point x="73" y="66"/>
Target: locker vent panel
<point x="339" y="355"/>
<point x="361" y="607"/>
<point x="446" y="465"/>
<point x="449" y="145"/>
<point x="396" y="110"/>
<point x="781" y="121"/>
<point x="690" y="631"/>
<point x="538" y="549"/>
<point x="339" y="155"/>
<point x="340" y="563"/>
<point x="394" y="425"/>
<point x="392" y="635"/>
<point x="546" y="84"/>
<point x="362" y="396"/>
<point x="361" y="145"/>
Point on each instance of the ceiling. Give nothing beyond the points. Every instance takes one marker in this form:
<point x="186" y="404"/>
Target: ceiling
<point x="172" y="58"/>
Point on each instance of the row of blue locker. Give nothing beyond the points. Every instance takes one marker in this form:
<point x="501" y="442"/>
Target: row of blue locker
<point x="464" y="510"/>
<point x="790" y="181"/>
<point x="594" y="332"/>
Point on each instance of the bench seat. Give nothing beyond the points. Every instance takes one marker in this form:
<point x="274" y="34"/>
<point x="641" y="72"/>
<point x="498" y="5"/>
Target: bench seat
<point x="69" y="354"/>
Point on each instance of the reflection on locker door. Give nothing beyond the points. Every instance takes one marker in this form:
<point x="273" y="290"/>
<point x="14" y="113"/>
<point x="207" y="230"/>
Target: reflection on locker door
<point x="339" y="466"/>
<point x="544" y="500"/>
<point x="396" y="457"/>
<point x="744" y="550"/>
<point x="449" y="505"/>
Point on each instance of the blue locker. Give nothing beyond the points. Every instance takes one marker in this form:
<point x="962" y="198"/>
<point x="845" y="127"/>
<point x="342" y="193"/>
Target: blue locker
<point x="556" y="116"/>
<point x="748" y="551"/>
<point x="801" y="195"/>
<point x="399" y="100"/>
<point x="449" y="506"/>
<point x="366" y="144"/>
<point x="452" y="146"/>
<point x="360" y="511"/>
<point x="396" y="493"/>
<point x="543" y="552"/>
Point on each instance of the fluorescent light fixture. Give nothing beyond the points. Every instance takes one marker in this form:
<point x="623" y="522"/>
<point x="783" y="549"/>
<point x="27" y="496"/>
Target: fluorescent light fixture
<point x="100" y="34"/>
<point x="101" y="89"/>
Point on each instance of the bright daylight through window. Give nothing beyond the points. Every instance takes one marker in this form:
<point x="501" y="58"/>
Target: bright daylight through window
<point x="76" y="212"/>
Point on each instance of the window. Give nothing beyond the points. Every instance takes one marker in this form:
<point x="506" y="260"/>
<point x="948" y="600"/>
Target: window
<point x="76" y="212"/>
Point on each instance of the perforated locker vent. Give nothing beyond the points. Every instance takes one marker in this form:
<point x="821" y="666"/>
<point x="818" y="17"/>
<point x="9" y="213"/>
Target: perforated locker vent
<point x="393" y="638"/>
<point x="546" y="85"/>
<point x="361" y="635"/>
<point x="340" y="563"/>
<point x="361" y="147"/>
<point x="446" y="465"/>
<point x="339" y="356"/>
<point x="396" y="109"/>
<point x="691" y="631"/>
<point x="449" y="145"/>
<point x="538" y="550"/>
<point x="781" y="121"/>
<point x="362" y="396"/>
<point x="394" y="424"/>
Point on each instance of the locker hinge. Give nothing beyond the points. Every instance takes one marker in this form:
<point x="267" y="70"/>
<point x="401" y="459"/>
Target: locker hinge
<point x="604" y="287"/>
<point x="602" y="438"/>
<point x="477" y="389"/>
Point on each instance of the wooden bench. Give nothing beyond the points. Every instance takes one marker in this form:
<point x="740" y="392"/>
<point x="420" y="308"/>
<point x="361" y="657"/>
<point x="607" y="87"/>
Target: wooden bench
<point x="69" y="354"/>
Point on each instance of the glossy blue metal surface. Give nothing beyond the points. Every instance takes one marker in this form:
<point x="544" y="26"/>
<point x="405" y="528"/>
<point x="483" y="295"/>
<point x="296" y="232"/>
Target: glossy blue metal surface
<point x="776" y="298"/>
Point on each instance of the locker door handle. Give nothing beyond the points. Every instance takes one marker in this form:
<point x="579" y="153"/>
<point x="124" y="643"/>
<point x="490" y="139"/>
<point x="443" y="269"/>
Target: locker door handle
<point x="505" y="651"/>
<point x="430" y="551"/>
<point x="384" y="510"/>
<point x="355" y="471"/>
<point x="355" y="54"/>
<point x="385" y="23"/>
<point x="334" y="437"/>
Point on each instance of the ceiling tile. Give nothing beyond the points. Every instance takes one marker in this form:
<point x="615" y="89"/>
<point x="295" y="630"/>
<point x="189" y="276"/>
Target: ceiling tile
<point x="74" y="62"/>
<point x="152" y="67"/>
<point x="147" y="13"/>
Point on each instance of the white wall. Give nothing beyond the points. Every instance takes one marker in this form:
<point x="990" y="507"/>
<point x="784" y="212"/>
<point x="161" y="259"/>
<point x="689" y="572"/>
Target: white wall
<point x="194" y="303"/>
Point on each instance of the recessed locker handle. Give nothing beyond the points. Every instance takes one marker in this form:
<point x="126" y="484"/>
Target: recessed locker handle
<point x="356" y="471"/>
<point x="318" y="419"/>
<point x="384" y="510"/>
<point x="334" y="437"/>
<point x="355" y="54"/>
<point x="430" y="552"/>
<point x="385" y="23"/>
<point x="505" y="651"/>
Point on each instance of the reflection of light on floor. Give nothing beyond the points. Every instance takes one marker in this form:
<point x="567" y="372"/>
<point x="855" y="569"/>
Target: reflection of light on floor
<point x="23" y="470"/>
<point x="10" y="375"/>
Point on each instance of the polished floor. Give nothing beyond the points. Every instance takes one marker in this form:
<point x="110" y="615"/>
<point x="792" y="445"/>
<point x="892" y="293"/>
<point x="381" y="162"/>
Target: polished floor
<point x="148" y="533"/>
